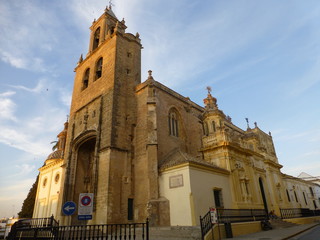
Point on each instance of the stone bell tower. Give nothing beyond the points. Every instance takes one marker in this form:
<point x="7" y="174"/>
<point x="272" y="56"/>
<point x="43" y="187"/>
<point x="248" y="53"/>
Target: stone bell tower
<point x="98" y="156"/>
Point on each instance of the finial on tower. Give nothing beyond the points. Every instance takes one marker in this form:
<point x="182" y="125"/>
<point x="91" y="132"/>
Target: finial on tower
<point x="209" y="89"/>
<point x="210" y="102"/>
<point x="150" y="74"/>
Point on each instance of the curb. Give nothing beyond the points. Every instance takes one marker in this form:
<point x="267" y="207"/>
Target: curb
<point x="295" y="234"/>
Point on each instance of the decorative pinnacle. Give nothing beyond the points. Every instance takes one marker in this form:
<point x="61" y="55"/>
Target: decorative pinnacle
<point x="210" y="102"/>
<point x="150" y="74"/>
<point x="247" y="120"/>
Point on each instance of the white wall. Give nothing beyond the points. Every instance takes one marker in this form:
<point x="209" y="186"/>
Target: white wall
<point x="203" y="183"/>
<point x="194" y="198"/>
<point x="178" y="196"/>
<point x="47" y="196"/>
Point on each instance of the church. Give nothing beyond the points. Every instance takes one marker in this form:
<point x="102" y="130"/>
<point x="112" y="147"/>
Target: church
<point x="145" y="151"/>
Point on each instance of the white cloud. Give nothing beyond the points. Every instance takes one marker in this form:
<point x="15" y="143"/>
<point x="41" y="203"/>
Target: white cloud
<point x="310" y="168"/>
<point x="24" y="169"/>
<point x="19" y="139"/>
<point x="14" y="60"/>
<point x="7" y="106"/>
<point x="37" y="89"/>
<point x="7" y="94"/>
<point x="24" y="46"/>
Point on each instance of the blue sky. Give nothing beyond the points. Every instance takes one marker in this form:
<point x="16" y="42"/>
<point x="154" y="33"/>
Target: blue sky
<point x="261" y="58"/>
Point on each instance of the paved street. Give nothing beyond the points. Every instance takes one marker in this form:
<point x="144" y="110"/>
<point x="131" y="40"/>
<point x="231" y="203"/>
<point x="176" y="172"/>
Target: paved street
<point x="312" y="234"/>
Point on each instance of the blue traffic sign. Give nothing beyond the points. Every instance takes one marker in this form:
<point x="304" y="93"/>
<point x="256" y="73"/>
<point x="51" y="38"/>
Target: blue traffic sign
<point x="69" y="208"/>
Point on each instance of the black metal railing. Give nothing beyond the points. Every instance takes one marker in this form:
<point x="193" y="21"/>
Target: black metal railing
<point x="138" y="231"/>
<point x="205" y="224"/>
<point x="231" y="216"/>
<point x="241" y="215"/>
<point x="298" y="212"/>
<point x="36" y="222"/>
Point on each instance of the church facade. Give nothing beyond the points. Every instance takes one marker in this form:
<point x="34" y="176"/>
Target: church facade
<point x="145" y="151"/>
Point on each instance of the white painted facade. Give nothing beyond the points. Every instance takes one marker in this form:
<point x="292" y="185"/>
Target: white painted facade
<point x="48" y="189"/>
<point x="189" y="189"/>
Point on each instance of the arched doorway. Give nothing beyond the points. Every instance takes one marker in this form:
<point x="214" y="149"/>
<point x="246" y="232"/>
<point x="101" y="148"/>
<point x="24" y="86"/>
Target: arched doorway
<point x="263" y="195"/>
<point x="84" y="176"/>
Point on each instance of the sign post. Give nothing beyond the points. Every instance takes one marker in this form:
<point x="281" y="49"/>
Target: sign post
<point x="213" y="213"/>
<point x="69" y="208"/>
<point x="85" y="206"/>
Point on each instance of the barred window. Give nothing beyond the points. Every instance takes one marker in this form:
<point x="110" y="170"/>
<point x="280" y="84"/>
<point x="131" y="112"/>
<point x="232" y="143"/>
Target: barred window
<point x="217" y="193"/>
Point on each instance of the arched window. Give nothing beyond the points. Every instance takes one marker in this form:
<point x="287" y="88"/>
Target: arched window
<point x="96" y="39"/>
<point x="99" y="68"/>
<point x="213" y="126"/>
<point x="295" y="195"/>
<point x="205" y="128"/>
<point x="173" y="123"/>
<point x="85" y="81"/>
<point x="305" y="200"/>
<point x="288" y="195"/>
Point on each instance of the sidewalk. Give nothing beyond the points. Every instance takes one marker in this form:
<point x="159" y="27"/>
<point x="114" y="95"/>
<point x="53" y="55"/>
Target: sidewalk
<point x="276" y="234"/>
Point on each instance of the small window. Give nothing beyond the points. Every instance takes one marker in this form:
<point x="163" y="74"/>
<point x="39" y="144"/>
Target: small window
<point x="44" y="183"/>
<point x="96" y="39"/>
<point x="130" y="208"/>
<point x="213" y="126"/>
<point x="288" y="195"/>
<point x="85" y="81"/>
<point x="112" y="30"/>
<point x="205" y="129"/>
<point x="218" y="198"/>
<point x="305" y="200"/>
<point x="295" y="195"/>
<point x="99" y="69"/>
<point x="56" y="178"/>
<point x="173" y="123"/>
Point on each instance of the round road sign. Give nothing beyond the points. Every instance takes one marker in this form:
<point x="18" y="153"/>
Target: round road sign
<point x="85" y="200"/>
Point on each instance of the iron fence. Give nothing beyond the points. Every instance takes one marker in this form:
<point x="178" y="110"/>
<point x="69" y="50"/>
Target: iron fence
<point x="241" y="215"/>
<point x="228" y="216"/>
<point x="36" y="222"/>
<point x="137" y="231"/>
<point x="205" y="224"/>
<point x="298" y="212"/>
